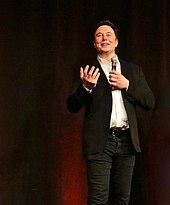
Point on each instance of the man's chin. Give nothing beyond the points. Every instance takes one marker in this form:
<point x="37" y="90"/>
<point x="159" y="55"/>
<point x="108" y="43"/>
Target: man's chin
<point x="105" y="51"/>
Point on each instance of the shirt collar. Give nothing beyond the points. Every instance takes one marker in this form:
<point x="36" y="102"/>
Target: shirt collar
<point x="105" y="61"/>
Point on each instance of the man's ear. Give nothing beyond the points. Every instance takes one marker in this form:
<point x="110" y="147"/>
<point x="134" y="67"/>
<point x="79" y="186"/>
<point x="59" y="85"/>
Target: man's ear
<point x="94" y="44"/>
<point x="116" y="43"/>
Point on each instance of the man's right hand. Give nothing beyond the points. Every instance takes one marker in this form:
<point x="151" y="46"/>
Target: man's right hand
<point x="89" y="77"/>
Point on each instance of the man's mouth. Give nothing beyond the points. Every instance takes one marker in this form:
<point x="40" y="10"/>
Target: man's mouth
<point x="104" y="44"/>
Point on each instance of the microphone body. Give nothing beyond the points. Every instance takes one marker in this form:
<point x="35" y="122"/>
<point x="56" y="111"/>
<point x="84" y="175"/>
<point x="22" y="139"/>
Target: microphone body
<point x="114" y="63"/>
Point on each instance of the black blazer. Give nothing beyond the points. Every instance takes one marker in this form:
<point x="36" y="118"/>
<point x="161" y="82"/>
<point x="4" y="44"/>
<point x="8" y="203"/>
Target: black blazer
<point x="98" y="105"/>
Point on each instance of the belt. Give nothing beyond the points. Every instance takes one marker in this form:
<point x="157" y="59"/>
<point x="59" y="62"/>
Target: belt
<point x="119" y="130"/>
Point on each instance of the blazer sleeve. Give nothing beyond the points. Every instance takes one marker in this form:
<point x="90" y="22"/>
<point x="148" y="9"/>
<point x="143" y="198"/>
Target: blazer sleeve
<point x="139" y="92"/>
<point x="79" y="95"/>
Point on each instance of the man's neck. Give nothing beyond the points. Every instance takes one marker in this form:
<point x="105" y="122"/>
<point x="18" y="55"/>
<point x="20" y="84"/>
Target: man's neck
<point x="106" y="56"/>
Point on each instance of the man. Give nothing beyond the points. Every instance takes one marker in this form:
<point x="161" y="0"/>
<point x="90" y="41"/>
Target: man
<point x="110" y="89"/>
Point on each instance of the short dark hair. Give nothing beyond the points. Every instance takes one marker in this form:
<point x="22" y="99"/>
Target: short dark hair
<point x="108" y="23"/>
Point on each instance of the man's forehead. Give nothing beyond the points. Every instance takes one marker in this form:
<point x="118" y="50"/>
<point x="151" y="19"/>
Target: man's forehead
<point x="104" y="28"/>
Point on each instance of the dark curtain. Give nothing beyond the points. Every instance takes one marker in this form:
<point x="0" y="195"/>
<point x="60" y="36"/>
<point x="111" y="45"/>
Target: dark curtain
<point x="40" y="141"/>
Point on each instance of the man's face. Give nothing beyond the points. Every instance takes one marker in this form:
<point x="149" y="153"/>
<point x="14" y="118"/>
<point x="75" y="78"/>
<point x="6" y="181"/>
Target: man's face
<point x="105" y="40"/>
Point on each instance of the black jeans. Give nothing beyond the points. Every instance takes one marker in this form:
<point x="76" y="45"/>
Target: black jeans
<point x="110" y="173"/>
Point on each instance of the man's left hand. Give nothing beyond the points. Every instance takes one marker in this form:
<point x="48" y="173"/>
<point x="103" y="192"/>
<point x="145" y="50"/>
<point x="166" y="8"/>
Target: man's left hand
<point x="117" y="80"/>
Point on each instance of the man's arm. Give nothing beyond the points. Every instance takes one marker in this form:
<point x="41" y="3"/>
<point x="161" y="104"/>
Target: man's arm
<point x="82" y="88"/>
<point x="139" y="91"/>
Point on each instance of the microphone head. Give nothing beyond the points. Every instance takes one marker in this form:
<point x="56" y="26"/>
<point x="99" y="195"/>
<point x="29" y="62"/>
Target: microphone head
<point x="114" y="60"/>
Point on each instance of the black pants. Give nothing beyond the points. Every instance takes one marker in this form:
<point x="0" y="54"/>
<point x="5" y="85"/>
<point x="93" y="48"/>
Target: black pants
<point x="110" y="173"/>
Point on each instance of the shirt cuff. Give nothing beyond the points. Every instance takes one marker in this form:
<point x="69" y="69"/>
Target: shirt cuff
<point x="88" y="90"/>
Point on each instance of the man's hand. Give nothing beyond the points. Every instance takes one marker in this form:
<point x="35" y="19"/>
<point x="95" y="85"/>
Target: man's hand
<point x="89" y="77"/>
<point x="117" y="80"/>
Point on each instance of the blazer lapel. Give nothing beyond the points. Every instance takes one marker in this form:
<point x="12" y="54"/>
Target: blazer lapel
<point x="103" y="79"/>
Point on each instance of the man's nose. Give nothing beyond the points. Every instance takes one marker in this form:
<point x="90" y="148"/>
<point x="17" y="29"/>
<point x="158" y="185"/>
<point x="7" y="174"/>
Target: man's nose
<point x="104" y="37"/>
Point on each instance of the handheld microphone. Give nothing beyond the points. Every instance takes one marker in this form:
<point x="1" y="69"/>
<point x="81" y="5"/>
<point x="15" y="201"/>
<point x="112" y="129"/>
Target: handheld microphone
<point x="114" y="62"/>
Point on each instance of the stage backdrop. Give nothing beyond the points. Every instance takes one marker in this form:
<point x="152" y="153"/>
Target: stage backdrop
<point x="41" y="41"/>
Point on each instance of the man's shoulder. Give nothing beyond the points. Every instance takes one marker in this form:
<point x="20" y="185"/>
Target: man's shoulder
<point x="129" y="68"/>
<point x="128" y="63"/>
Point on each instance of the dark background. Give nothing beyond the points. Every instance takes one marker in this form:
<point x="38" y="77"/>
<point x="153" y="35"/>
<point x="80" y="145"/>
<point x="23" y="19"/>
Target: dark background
<point x="40" y="142"/>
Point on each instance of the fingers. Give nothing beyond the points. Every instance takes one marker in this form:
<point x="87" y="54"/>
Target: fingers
<point x="91" y="71"/>
<point x="96" y="73"/>
<point x="89" y="77"/>
<point x="113" y="78"/>
<point x="88" y="73"/>
<point x="118" y="81"/>
<point x="86" y="69"/>
<point x="81" y="73"/>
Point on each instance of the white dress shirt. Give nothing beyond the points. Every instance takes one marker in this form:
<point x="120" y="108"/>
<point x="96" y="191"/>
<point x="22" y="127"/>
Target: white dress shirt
<point x="118" y="115"/>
